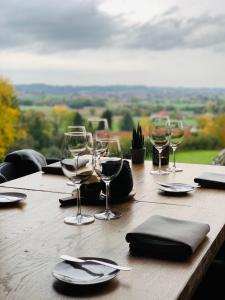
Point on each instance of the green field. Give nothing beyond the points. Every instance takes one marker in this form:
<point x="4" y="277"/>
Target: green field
<point x="196" y="156"/>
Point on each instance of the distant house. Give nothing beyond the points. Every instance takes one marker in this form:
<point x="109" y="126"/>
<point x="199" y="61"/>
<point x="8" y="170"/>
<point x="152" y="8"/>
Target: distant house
<point x="162" y="113"/>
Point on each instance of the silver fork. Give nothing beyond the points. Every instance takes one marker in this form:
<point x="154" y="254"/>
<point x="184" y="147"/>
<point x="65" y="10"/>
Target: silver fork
<point x="79" y="260"/>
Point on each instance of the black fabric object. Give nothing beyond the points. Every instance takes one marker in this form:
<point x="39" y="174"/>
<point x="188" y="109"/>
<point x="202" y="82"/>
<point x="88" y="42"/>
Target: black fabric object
<point x="55" y="170"/>
<point x="26" y="161"/>
<point x="52" y="160"/>
<point x="122" y="185"/>
<point x="90" y="195"/>
<point x="212" y="284"/>
<point x="120" y="188"/>
<point x="211" y="180"/>
<point x="7" y="172"/>
<point x="167" y="238"/>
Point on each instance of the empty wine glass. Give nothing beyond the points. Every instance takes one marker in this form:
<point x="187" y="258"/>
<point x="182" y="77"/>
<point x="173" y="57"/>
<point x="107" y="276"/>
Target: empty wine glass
<point x="160" y="138"/>
<point x="177" y="135"/>
<point x="77" y="165"/>
<point x="75" y="128"/>
<point x="98" y="127"/>
<point x="107" y="164"/>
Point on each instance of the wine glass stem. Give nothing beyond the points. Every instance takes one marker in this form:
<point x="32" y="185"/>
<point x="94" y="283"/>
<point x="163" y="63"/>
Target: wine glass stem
<point x="107" y="183"/>
<point x="78" y="201"/>
<point x="174" y="158"/>
<point x="160" y="163"/>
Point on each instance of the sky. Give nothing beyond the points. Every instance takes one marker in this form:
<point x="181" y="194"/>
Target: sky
<point x="108" y="42"/>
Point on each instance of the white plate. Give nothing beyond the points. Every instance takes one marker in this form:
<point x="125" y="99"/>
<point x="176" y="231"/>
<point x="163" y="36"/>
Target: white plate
<point x="88" y="273"/>
<point x="11" y="197"/>
<point x="176" y="189"/>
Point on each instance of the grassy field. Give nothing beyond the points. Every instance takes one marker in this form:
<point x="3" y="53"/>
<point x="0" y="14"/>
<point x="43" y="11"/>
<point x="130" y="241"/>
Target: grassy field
<point x="196" y="156"/>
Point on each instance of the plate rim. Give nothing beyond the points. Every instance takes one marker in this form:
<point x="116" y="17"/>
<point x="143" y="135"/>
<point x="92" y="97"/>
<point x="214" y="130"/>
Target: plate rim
<point x="169" y="190"/>
<point x="20" y="197"/>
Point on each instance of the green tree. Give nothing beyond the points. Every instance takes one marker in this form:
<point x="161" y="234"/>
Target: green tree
<point x="77" y="119"/>
<point x="127" y="123"/>
<point x="39" y="130"/>
<point x="107" y="114"/>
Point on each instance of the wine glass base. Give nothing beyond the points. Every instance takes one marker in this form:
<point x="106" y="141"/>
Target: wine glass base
<point x="79" y="220"/>
<point x="159" y="172"/>
<point x="70" y="183"/>
<point x="107" y="215"/>
<point x="174" y="170"/>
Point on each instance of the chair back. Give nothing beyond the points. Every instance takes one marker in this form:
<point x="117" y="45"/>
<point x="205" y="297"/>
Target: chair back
<point x="7" y="172"/>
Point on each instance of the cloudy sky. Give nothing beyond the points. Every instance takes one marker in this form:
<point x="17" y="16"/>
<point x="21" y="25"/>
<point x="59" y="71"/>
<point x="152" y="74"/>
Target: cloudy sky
<point x="89" y="42"/>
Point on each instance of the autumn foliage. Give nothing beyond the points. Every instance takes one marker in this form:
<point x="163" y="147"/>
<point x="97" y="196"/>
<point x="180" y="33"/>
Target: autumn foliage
<point x="9" y="115"/>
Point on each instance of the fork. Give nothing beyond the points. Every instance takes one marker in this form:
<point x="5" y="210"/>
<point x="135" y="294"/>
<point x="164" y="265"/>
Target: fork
<point x="79" y="260"/>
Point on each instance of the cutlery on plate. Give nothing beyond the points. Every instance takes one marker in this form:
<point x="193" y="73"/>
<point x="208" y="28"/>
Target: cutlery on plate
<point x="79" y="260"/>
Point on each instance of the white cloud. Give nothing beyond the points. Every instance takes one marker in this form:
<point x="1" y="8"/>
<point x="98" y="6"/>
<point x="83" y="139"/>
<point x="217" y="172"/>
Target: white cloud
<point x="154" y="42"/>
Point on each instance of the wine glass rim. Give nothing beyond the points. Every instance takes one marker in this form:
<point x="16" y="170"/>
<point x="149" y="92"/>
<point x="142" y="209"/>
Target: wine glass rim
<point x="115" y="139"/>
<point x="78" y="133"/>
<point x="75" y="126"/>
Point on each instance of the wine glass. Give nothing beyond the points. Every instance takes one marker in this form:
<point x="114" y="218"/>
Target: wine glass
<point x="77" y="165"/>
<point x="98" y="127"/>
<point x="177" y="135"/>
<point x="107" y="164"/>
<point x="160" y="138"/>
<point x="75" y="128"/>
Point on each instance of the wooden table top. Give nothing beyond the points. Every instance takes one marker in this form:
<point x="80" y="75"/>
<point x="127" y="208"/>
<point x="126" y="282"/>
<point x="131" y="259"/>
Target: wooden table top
<point x="33" y="236"/>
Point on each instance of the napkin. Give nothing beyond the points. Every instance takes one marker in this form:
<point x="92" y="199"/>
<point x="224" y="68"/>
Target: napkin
<point x="211" y="180"/>
<point x="90" y="194"/>
<point x="57" y="170"/>
<point x="122" y="185"/>
<point x="167" y="238"/>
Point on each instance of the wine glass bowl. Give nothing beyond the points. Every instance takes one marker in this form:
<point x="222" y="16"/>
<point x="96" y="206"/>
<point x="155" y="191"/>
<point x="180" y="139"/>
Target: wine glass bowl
<point x="77" y="165"/>
<point x="160" y="138"/>
<point x="98" y="127"/>
<point x="177" y="135"/>
<point x="75" y="128"/>
<point x="107" y="164"/>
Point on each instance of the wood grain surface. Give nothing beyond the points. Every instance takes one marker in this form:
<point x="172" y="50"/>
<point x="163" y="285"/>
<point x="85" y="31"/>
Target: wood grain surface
<point x="33" y="236"/>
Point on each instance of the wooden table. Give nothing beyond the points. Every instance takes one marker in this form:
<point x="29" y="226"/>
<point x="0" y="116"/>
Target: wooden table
<point x="33" y="236"/>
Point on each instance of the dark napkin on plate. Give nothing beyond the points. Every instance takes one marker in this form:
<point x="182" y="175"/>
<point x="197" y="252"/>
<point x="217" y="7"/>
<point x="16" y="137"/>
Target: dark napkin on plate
<point x="57" y="169"/>
<point x="211" y="180"/>
<point x="122" y="185"/>
<point x="167" y="238"/>
<point x="91" y="194"/>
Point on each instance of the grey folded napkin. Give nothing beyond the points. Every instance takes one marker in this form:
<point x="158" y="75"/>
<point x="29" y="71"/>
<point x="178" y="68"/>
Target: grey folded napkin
<point x="211" y="180"/>
<point x="167" y="238"/>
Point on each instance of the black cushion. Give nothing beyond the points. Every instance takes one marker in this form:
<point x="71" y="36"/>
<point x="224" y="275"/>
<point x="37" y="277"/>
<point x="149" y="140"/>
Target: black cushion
<point x="26" y="161"/>
<point x="7" y="171"/>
